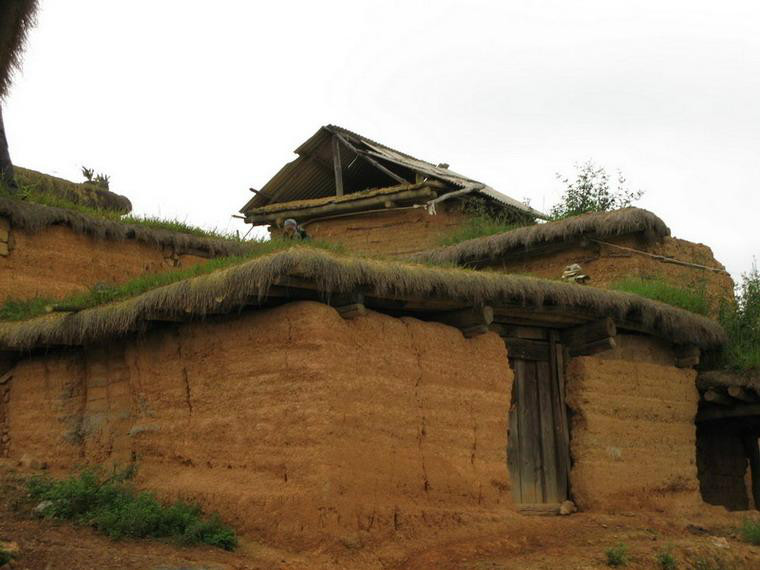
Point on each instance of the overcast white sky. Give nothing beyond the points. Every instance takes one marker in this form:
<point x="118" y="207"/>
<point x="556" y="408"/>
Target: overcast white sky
<point x="186" y="107"/>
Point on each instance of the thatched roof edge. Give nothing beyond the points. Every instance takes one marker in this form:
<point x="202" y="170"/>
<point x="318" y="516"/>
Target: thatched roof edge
<point x="35" y="217"/>
<point x="230" y="289"/>
<point x="599" y="225"/>
<point x="16" y="19"/>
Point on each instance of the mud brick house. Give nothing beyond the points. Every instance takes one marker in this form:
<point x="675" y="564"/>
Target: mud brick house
<point x="348" y="189"/>
<point x="332" y="393"/>
<point x="313" y="394"/>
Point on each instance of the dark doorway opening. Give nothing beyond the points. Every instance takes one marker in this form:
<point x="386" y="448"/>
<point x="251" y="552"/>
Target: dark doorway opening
<point x="728" y="462"/>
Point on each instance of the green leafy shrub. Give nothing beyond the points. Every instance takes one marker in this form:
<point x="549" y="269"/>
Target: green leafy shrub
<point x="591" y="192"/>
<point x="617" y="556"/>
<point x="112" y="506"/>
<point x="742" y="323"/>
<point x="658" y="290"/>
<point x="666" y="560"/>
<point x="102" y="180"/>
<point x="5" y="557"/>
<point x="750" y="532"/>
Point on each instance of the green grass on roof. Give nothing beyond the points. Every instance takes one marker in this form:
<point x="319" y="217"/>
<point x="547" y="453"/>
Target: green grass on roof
<point x="19" y="310"/>
<point x="36" y="196"/>
<point x="658" y="290"/>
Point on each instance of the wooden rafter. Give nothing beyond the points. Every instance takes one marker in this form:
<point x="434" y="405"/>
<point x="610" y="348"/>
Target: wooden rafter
<point x="337" y="166"/>
<point x="369" y="159"/>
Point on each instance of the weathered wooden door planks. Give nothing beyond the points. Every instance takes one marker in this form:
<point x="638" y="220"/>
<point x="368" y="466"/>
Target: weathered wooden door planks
<point x="538" y="443"/>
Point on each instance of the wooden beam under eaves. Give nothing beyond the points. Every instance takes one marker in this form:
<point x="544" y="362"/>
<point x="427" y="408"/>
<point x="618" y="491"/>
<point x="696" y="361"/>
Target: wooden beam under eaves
<point x="337" y="166"/>
<point x="472" y="322"/>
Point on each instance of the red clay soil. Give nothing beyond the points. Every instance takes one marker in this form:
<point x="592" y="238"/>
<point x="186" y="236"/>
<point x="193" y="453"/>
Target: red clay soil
<point x="511" y="542"/>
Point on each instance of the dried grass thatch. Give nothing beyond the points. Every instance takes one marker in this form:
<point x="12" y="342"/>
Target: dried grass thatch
<point x="85" y="194"/>
<point x="729" y="378"/>
<point x="231" y="289"/>
<point x="16" y="19"/>
<point x="598" y="225"/>
<point x="35" y="217"/>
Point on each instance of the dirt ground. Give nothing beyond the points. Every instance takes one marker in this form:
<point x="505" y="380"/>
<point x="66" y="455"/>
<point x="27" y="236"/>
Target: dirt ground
<point x="498" y="542"/>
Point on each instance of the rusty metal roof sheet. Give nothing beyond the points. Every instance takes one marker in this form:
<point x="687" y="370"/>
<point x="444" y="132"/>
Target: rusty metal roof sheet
<point x="311" y="175"/>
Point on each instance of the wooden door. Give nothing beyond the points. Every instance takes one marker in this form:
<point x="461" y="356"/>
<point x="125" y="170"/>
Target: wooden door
<point x="538" y="452"/>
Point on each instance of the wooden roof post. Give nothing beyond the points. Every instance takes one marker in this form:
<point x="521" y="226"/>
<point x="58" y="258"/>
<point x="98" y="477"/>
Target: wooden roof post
<point x="337" y="167"/>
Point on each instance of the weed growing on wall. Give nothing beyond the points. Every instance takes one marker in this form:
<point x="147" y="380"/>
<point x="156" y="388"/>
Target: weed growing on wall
<point x="750" y="532"/>
<point x="666" y="560"/>
<point x="482" y="221"/>
<point x="658" y="290"/>
<point x="617" y="556"/>
<point x="112" y="506"/>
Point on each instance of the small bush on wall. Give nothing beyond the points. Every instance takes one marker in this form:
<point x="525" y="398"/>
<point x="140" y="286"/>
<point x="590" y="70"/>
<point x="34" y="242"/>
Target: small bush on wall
<point x="590" y="191"/>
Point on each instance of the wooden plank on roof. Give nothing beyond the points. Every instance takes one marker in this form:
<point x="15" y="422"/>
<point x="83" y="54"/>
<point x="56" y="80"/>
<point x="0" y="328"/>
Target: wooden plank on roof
<point x="337" y="166"/>
<point x="343" y="207"/>
<point x="371" y="160"/>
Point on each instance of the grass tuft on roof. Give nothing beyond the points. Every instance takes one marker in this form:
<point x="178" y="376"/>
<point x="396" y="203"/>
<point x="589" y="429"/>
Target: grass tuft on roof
<point x="232" y="288"/>
<point x="41" y="211"/>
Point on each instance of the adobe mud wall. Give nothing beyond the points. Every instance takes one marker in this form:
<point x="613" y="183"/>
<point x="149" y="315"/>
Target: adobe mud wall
<point x="606" y="265"/>
<point x="632" y="428"/>
<point x="57" y="261"/>
<point x="293" y="423"/>
<point x="392" y="233"/>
